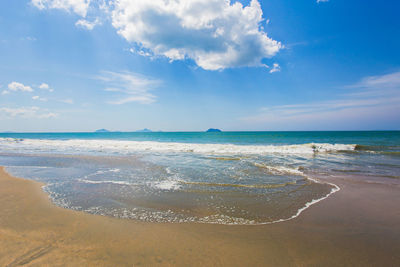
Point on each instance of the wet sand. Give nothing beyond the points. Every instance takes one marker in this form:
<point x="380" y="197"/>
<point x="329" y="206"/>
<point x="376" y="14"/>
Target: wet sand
<point x="357" y="226"/>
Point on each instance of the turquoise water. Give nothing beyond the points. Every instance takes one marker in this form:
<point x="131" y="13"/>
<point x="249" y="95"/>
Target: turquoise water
<point x="374" y="138"/>
<point x="226" y="178"/>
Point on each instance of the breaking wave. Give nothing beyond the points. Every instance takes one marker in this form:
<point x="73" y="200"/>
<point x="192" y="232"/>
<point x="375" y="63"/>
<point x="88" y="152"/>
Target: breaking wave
<point x="125" y="147"/>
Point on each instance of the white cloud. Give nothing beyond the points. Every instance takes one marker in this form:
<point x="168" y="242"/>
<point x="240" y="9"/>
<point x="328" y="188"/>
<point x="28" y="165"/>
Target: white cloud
<point x="88" y="25"/>
<point x="391" y="80"/>
<point x="128" y="99"/>
<point x="45" y="86"/>
<point x="275" y="68"/>
<point x="26" y="112"/>
<point x="36" y="97"/>
<point x="321" y="1"/>
<point x="16" y="86"/>
<point x="214" y="33"/>
<point x="79" y="7"/>
<point x="131" y="87"/>
<point x="373" y="98"/>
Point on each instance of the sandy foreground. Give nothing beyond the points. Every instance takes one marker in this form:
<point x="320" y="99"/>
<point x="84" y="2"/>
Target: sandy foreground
<point x="358" y="226"/>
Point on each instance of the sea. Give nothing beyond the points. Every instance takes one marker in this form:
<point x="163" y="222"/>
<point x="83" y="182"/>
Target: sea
<point x="232" y="178"/>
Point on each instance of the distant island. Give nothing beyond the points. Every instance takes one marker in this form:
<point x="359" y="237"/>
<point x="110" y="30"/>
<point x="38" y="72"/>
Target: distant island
<point x="102" y="131"/>
<point x="145" y="130"/>
<point x="212" y="130"/>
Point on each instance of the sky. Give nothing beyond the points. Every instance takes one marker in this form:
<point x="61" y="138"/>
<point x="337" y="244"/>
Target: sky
<point x="180" y="65"/>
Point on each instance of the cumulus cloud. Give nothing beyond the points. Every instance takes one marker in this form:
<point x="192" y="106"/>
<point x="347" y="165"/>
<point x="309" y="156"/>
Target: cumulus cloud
<point x="27" y="112"/>
<point x="131" y="87"/>
<point x="275" y="68"/>
<point x="79" y="7"/>
<point x="88" y="25"/>
<point x="16" y="86"/>
<point x="45" y="86"/>
<point x="216" y="34"/>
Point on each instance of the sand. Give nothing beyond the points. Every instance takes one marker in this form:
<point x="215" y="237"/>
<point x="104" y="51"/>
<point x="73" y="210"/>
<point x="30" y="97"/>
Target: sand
<point x="357" y="226"/>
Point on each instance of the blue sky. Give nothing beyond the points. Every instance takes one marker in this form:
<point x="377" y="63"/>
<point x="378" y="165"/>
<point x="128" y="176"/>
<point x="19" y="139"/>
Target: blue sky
<point x="80" y="65"/>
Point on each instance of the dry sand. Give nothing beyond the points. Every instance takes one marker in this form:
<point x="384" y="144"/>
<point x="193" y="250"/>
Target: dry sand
<point x="358" y="226"/>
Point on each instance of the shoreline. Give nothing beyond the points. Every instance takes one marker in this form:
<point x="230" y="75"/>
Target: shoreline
<point x="335" y="188"/>
<point x="359" y="225"/>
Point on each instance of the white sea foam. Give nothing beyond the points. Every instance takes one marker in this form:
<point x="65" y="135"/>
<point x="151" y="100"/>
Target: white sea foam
<point x="167" y="185"/>
<point x="169" y="171"/>
<point x="86" y="181"/>
<point x="226" y="220"/>
<point x="279" y="170"/>
<point x="103" y="172"/>
<point x="310" y="203"/>
<point x="123" y="147"/>
<point x="172" y="217"/>
<point x="175" y="184"/>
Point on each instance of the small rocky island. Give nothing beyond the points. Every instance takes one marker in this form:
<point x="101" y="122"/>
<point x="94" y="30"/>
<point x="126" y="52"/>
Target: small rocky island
<point x="212" y="130"/>
<point x="102" y="131"/>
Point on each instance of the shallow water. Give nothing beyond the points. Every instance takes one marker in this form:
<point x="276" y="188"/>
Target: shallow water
<point x="225" y="178"/>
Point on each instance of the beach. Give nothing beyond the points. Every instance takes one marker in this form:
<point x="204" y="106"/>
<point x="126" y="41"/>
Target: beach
<point x="199" y="133"/>
<point x="357" y="226"/>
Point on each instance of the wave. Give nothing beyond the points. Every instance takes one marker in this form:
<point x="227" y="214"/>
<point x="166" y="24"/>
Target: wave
<point x="240" y="185"/>
<point x="114" y="170"/>
<point x="335" y="188"/>
<point x="224" y="158"/>
<point x="280" y="170"/>
<point x="86" y="181"/>
<point x="227" y="220"/>
<point x="120" y="146"/>
<point x="378" y="148"/>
